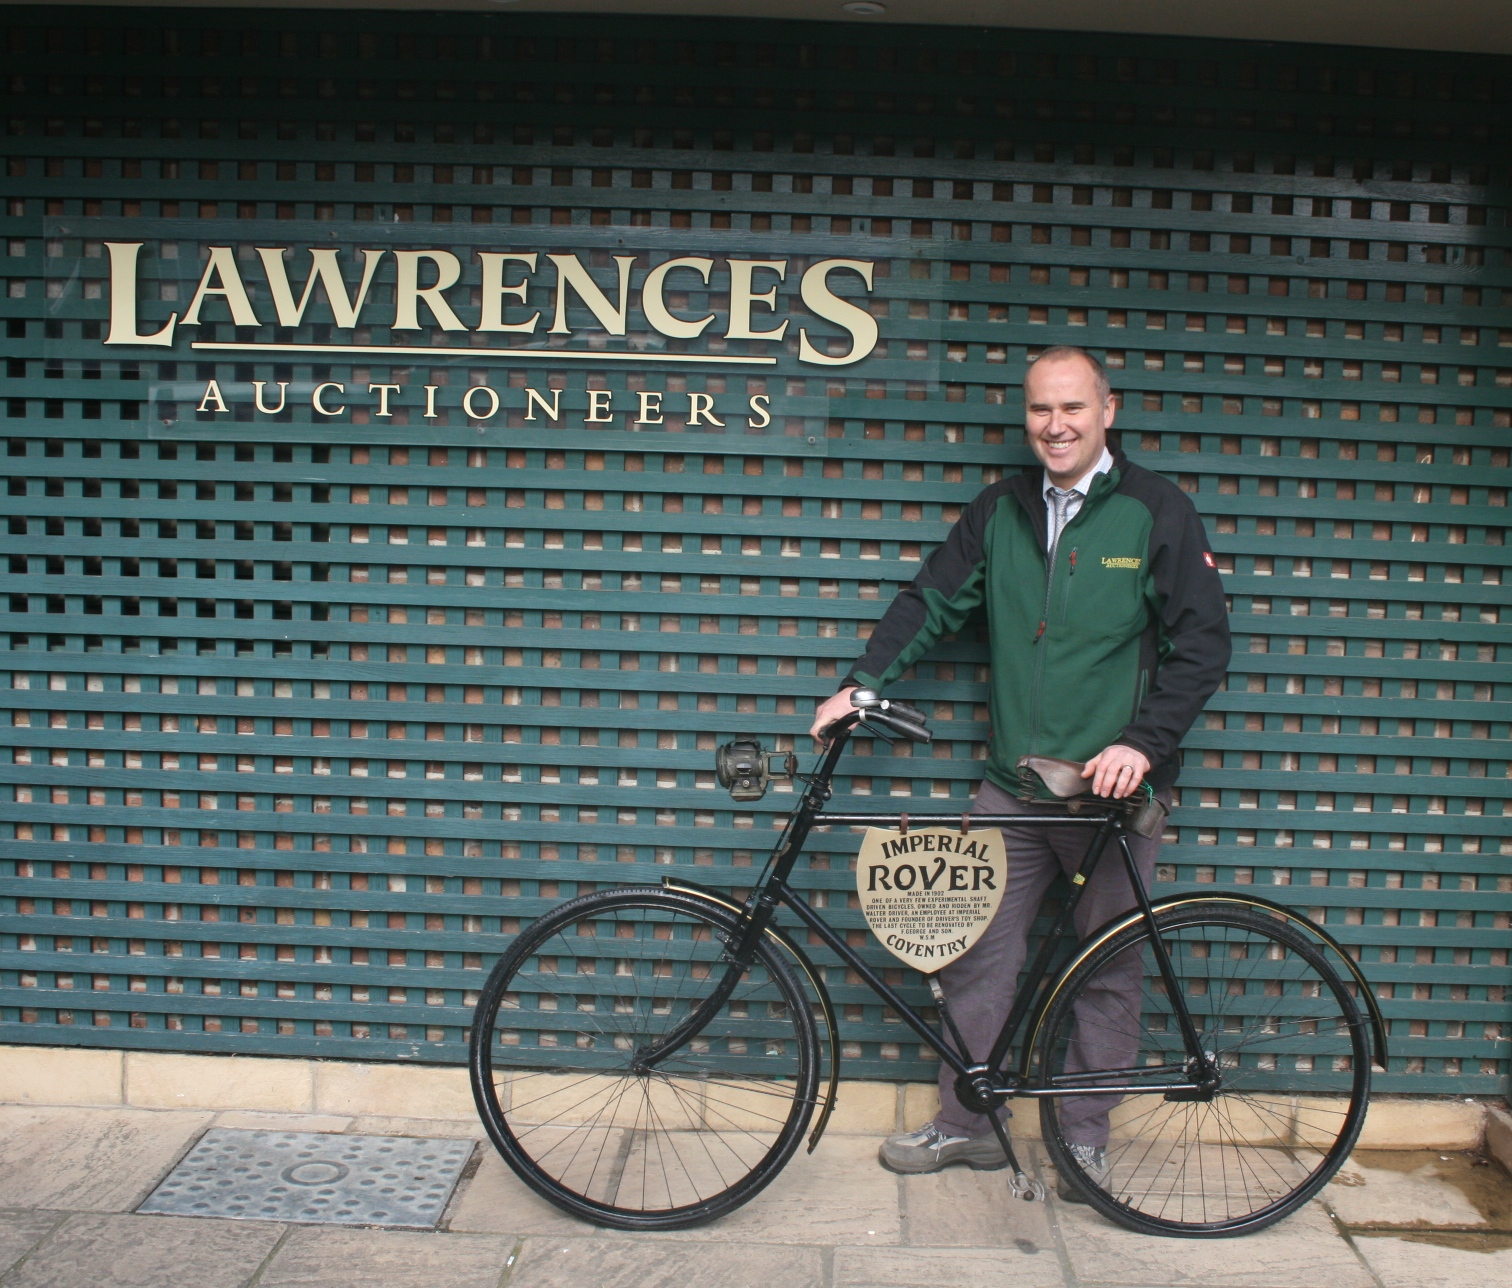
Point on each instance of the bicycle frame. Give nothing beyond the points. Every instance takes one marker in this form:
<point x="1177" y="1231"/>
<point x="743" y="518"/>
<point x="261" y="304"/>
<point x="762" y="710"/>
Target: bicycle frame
<point x="772" y="890"/>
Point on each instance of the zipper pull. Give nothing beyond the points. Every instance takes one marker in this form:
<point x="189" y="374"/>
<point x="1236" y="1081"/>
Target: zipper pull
<point x="1039" y="632"/>
<point x="1073" y="561"/>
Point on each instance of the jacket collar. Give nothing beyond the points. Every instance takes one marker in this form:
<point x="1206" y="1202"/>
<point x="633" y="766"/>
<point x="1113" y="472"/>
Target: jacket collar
<point x="1027" y="488"/>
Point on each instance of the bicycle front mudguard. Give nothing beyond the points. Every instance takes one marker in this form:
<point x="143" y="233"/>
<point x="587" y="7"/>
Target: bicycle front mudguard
<point x="810" y="972"/>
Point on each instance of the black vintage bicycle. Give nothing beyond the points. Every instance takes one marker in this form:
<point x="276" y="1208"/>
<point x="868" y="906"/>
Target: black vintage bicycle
<point x="650" y="1057"/>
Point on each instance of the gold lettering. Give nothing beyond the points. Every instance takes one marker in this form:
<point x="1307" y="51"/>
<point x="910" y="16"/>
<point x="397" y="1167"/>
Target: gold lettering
<point x="553" y="409"/>
<point x="655" y="307"/>
<point x="325" y="270"/>
<point x="571" y="274"/>
<point x="318" y="403"/>
<point x="221" y="267"/>
<point x="212" y="393"/>
<point x="598" y="401"/>
<point x="430" y="401"/>
<point x="493" y="402"/>
<point x="123" y="299"/>
<point x="814" y="288"/>
<point x="257" y="396"/>
<point x="650" y="408"/>
<point x="743" y="298"/>
<point x="701" y="410"/>
<point x="383" y="392"/>
<point x="759" y="405"/>
<point x="408" y="293"/>
<point x="494" y="290"/>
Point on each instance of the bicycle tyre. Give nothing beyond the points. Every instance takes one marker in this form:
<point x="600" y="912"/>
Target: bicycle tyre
<point x="1293" y="1053"/>
<point x="685" y="1142"/>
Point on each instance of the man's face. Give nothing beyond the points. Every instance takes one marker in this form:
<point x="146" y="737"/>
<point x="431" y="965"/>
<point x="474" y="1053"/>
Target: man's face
<point x="1067" y="422"/>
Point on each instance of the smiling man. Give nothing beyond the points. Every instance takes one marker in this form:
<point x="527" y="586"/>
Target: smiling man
<point x="1108" y="634"/>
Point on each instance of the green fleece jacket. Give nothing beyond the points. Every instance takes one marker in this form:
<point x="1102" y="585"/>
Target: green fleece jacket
<point x="1121" y="638"/>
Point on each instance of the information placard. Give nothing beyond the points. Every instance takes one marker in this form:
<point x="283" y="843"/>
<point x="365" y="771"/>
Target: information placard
<point x="929" y="893"/>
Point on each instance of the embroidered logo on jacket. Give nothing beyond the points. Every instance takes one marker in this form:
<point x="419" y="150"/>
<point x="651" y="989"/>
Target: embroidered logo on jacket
<point x="1120" y="561"/>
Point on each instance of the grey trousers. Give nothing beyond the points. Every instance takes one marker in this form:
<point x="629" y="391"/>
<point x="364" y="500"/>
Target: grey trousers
<point x="979" y="988"/>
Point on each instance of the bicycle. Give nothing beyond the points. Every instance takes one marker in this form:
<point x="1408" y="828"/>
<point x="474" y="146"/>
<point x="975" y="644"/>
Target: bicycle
<point x="648" y="1057"/>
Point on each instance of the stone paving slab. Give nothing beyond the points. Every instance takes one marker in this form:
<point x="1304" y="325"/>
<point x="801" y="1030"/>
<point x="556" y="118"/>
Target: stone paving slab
<point x="20" y="1232"/>
<point x="339" y="1258"/>
<point x="260" y="1120"/>
<point x="496" y="1201"/>
<point x="89" y="1160"/>
<point x="965" y="1209"/>
<point x="91" y="1250"/>
<point x="1362" y="1195"/>
<point x="941" y="1267"/>
<point x="1304" y="1251"/>
<point x="832" y="1220"/>
<point x="658" y="1262"/>
<point x="837" y="1195"/>
<point x="377" y="1125"/>
<point x="1406" y="1263"/>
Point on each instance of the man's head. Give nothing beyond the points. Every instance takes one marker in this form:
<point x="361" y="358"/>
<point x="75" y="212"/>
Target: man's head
<point x="1068" y="410"/>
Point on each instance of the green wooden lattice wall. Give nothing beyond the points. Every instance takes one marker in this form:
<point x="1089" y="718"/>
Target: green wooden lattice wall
<point x="306" y="712"/>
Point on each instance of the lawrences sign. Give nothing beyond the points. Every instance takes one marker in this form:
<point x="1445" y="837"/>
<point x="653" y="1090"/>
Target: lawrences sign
<point x="519" y="294"/>
<point x="928" y="894"/>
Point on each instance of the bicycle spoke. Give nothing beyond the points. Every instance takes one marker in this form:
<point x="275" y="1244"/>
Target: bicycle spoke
<point x="606" y="979"/>
<point x="1280" y="1033"/>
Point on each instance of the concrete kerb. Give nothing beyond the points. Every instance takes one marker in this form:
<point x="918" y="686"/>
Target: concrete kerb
<point x="72" y="1076"/>
<point x="1498" y="1139"/>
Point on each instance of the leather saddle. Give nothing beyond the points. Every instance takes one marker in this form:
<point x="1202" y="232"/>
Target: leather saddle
<point x="1063" y="781"/>
<point x="1061" y="778"/>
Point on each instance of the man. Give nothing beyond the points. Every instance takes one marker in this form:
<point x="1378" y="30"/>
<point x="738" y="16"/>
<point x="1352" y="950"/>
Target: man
<point x="1108" y="633"/>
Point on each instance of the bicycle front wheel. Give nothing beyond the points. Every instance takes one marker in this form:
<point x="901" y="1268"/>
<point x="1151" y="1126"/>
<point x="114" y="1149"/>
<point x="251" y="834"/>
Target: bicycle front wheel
<point x="1291" y="1052"/>
<point x="556" y="1044"/>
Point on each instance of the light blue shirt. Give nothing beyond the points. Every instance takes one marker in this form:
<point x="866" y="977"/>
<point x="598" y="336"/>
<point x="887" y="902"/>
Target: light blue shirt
<point x="1063" y="504"/>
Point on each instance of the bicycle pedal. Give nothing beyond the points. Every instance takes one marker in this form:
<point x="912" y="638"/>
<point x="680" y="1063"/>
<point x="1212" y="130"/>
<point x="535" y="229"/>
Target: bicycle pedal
<point x="1022" y="1187"/>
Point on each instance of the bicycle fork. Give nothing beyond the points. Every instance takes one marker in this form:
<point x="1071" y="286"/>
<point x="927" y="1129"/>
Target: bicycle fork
<point x="1020" y="1185"/>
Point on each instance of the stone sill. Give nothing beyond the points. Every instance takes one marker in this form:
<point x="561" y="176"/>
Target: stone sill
<point x="157" y="1080"/>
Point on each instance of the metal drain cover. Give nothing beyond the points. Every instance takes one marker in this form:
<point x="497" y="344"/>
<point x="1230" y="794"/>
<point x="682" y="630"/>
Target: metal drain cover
<point x="317" y="1177"/>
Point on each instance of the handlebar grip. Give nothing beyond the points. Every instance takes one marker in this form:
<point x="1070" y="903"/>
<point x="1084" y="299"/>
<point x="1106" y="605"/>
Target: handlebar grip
<point x="891" y="719"/>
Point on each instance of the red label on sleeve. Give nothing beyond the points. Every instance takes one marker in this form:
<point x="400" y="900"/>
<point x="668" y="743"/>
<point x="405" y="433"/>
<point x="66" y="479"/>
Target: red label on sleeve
<point x="1207" y="558"/>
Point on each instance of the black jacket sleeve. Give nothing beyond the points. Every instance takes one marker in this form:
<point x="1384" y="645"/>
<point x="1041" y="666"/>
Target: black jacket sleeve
<point x="949" y="586"/>
<point x="1193" y="645"/>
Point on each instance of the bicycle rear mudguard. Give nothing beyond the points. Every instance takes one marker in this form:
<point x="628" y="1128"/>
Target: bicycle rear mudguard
<point x="1117" y="924"/>
<point x="1372" y="1005"/>
<point x="810" y="972"/>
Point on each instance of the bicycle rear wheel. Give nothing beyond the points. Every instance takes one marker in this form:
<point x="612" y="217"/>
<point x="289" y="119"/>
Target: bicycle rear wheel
<point x="1290" y="1046"/>
<point x="555" y="1041"/>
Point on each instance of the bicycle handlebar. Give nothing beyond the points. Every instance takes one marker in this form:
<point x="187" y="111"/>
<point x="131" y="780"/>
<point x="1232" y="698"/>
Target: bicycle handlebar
<point x="898" y="717"/>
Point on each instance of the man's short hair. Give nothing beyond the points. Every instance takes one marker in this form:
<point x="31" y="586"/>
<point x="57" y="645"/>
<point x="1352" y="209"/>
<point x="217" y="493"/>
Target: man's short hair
<point x="1059" y="351"/>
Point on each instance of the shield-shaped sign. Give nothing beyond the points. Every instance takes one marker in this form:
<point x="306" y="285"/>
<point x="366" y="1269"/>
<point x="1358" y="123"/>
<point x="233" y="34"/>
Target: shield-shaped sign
<point x="929" y="893"/>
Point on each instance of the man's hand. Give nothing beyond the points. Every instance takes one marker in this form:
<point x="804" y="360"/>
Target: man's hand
<point x="828" y="712"/>
<point x="1115" y="771"/>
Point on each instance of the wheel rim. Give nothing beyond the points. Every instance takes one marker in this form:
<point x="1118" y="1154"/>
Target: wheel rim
<point x="575" y="1116"/>
<point x="1290" y="1052"/>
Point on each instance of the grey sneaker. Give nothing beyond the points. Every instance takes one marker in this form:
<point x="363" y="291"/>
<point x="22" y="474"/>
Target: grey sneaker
<point x="929" y="1150"/>
<point x="1093" y="1161"/>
